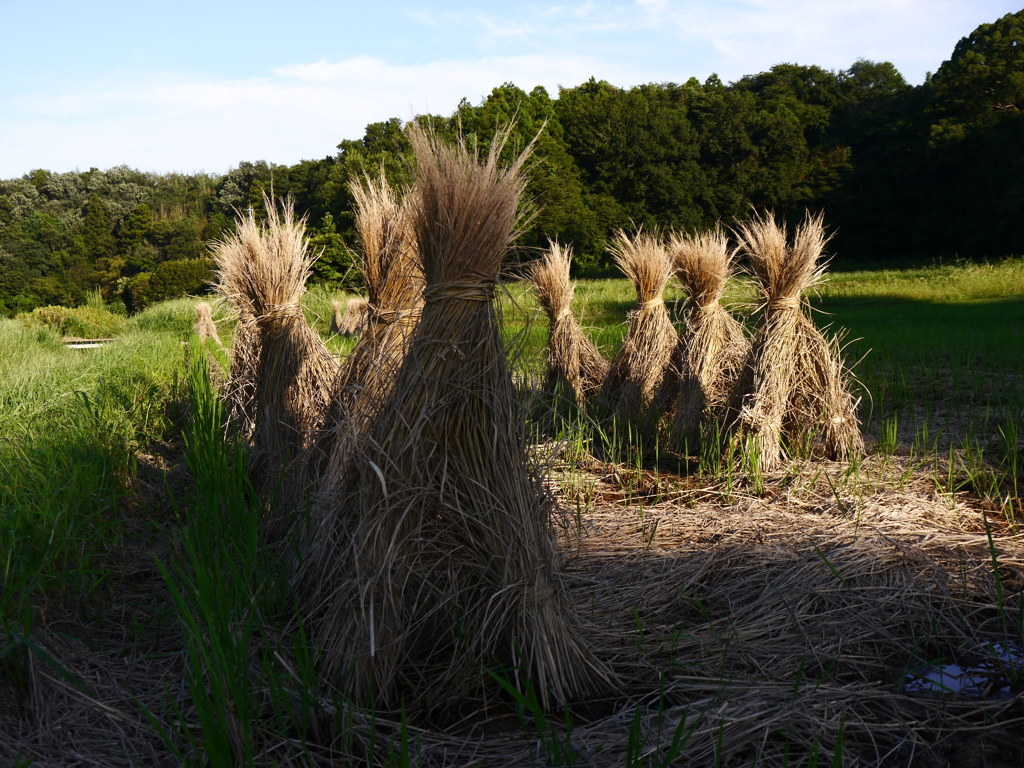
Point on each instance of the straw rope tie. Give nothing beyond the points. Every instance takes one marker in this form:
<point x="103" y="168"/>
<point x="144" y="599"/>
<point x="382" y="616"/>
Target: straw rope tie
<point x="563" y="314"/>
<point x="388" y="315"/>
<point x="651" y="303"/>
<point x="282" y="312"/>
<point x="786" y="302"/>
<point x="459" y="290"/>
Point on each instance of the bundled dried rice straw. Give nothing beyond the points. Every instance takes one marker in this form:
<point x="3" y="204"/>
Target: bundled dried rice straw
<point x="794" y="384"/>
<point x="574" y="363"/>
<point x="205" y="327"/>
<point x="450" y="564"/>
<point x="639" y="365"/>
<point x="394" y="281"/>
<point x="282" y="374"/>
<point x="353" y="321"/>
<point x="711" y="348"/>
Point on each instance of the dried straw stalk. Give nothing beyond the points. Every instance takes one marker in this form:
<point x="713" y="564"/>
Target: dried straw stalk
<point x="574" y="363"/>
<point x="638" y="367"/>
<point x="394" y="282"/>
<point x="793" y="384"/>
<point x="450" y="563"/>
<point x="353" y="321"/>
<point x="205" y="327"/>
<point x="711" y="348"/>
<point x="284" y="372"/>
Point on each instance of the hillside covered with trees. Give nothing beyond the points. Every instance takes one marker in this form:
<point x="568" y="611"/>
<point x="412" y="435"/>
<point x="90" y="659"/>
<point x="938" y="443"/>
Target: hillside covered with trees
<point x="902" y="173"/>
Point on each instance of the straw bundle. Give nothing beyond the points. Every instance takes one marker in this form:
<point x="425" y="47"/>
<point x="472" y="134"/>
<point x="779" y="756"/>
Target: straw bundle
<point x="353" y="321"/>
<point x="574" y="363"/>
<point x="240" y="390"/>
<point x="205" y="327"/>
<point x="449" y="566"/>
<point x="638" y="367"/>
<point x="394" y="282"/>
<point x="281" y="373"/>
<point x="712" y="347"/>
<point x="793" y="383"/>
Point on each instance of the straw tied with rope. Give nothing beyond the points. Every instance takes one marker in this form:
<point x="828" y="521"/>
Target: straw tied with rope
<point x="786" y="386"/>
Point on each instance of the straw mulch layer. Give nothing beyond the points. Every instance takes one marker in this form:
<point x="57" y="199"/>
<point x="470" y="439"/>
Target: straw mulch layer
<point x="575" y="366"/>
<point x="638" y="367"/>
<point x="794" y="387"/>
<point x="711" y="348"/>
<point x="282" y="374"/>
<point x="447" y="563"/>
<point x="760" y="629"/>
<point x="353" y="320"/>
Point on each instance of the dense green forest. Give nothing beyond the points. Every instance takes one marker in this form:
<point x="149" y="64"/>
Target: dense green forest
<point x="904" y="174"/>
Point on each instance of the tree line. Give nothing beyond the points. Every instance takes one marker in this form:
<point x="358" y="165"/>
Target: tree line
<point x="902" y="173"/>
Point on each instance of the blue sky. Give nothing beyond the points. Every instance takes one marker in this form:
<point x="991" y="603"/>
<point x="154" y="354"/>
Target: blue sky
<point x="190" y="86"/>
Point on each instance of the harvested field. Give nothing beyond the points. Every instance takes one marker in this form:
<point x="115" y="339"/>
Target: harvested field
<point x="743" y="628"/>
<point x="856" y="614"/>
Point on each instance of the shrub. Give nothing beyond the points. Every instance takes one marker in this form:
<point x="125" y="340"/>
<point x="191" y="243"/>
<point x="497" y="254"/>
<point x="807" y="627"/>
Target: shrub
<point x="86" y="322"/>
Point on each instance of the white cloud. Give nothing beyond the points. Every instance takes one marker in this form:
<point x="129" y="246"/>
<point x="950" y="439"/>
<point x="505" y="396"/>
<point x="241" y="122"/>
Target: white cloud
<point x="163" y="121"/>
<point x="166" y="122"/>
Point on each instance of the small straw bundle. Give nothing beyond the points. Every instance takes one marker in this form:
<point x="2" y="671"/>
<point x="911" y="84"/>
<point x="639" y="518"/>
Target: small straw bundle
<point x="793" y="383"/>
<point x="282" y="373"/>
<point x="205" y="327"/>
<point x="574" y="363"/>
<point x="638" y="367"/>
<point x="353" y="321"/>
<point x="450" y="564"/>
<point x="712" y="347"/>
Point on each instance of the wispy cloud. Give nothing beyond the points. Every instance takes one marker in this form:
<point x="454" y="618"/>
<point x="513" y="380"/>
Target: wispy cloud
<point x="164" y="121"/>
<point x="428" y="59"/>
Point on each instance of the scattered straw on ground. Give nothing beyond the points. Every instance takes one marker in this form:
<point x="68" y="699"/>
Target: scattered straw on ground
<point x="760" y="627"/>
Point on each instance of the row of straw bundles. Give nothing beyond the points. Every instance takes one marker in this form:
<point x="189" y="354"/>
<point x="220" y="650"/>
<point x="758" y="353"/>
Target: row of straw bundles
<point x="789" y="382"/>
<point x="793" y="383"/>
<point x="450" y="565"/>
<point x="282" y="374"/>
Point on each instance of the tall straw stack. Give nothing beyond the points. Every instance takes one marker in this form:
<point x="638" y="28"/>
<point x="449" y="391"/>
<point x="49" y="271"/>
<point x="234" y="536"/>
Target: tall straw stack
<point x="793" y="384"/>
<point x="575" y="366"/>
<point x="450" y="567"/>
<point x="284" y="372"/>
<point x="712" y="347"/>
<point x="638" y="367"/>
<point x="353" y="321"/>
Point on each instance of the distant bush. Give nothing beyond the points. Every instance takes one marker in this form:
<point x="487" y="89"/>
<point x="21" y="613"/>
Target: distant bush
<point x="84" y="322"/>
<point x="169" y="280"/>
